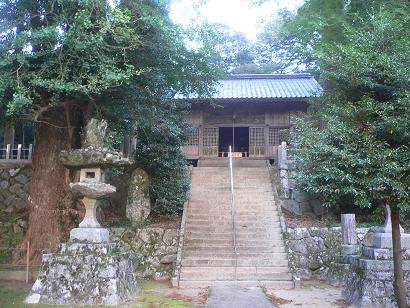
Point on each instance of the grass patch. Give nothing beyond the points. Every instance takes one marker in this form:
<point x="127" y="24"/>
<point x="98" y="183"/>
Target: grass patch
<point x="153" y="299"/>
<point x="12" y="294"/>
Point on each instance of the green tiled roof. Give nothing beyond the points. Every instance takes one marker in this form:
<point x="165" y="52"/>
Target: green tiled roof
<point x="264" y="86"/>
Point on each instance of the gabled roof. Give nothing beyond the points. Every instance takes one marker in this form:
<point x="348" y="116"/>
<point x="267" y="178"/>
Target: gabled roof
<point x="264" y="86"/>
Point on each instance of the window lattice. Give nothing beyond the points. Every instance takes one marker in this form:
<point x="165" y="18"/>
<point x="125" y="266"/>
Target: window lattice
<point x="256" y="137"/>
<point x="273" y="136"/>
<point x="210" y="136"/>
<point x="277" y="135"/>
<point x="193" y="137"/>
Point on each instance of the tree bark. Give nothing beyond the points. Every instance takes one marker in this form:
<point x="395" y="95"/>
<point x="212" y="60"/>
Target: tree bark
<point x="398" y="284"/>
<point x="52" y="210"/>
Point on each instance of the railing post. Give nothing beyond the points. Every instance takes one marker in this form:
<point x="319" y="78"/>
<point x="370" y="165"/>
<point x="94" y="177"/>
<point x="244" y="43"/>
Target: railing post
<point x="233" y="212"/>
<point x="30" y="151"/>
<point x="8" y="151"/>
<point x="18" y="151"/>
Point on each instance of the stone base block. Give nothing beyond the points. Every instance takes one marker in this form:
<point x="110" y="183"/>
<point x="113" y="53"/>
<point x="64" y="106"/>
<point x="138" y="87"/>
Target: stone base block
<point x="88" y="248"/>
<point x="384" y="240"/>
<point x="350" y="250"/>
<point x="89" y="235"/>
<point x="383" y="253"/>
<point x="369" y="283"/>
<point x="85" y="274"/>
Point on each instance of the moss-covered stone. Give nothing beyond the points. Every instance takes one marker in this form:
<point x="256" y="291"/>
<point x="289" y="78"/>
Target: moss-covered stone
<point x="154" y="249"/>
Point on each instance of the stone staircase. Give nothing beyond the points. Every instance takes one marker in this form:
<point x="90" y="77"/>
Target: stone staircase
<point x="207" y="255"/>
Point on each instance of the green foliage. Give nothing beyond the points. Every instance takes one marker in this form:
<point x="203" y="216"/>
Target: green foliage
<point x="159" y="153"/>
<point x="320" y="22"/>
<point x="57" y="51"/>
<point x="119" y="60"/>
<point x="354" y="144"/>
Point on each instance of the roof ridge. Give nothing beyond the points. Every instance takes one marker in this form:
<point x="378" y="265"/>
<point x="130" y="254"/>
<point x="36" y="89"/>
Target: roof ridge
<point x="268" y="76"/>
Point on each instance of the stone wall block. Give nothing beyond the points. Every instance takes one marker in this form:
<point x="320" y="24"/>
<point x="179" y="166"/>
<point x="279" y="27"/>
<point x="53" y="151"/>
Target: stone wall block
<point x="14" y="172"/>
<point x="5" y="174"/>
<point x="4" y="184"/>
<point x="315" y="252"/>
<point x="22" y="179"/>
<point x="153" y="250"/>
<point x="169" y="236"/>
<point x="299" y="233"/>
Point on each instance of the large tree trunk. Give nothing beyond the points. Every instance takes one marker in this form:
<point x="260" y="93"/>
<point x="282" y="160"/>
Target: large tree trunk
<point x="398" y="284"/>
<point x="52" y="211"/>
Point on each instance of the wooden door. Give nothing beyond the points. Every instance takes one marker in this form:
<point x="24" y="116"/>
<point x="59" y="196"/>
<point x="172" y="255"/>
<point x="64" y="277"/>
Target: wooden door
<point x="210" y="141"/>
<point x="191" y="148"/>
<point x="256" y="141"/>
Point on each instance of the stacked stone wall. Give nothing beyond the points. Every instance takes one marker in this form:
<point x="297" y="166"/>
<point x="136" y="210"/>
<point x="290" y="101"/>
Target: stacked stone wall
<point x="154" y="250"/>
<point x="15" y="183"/>
<point x="314" y="252"/>
<point x="369" y="283"/>
<point x="14" y="188"/>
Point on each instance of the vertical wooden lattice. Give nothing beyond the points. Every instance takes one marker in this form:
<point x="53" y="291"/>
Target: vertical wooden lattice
<point x="210" y="141"/>
<point x="277" y="135"/>
<point x="191" y="147"/>
<point x="256" y="141"/>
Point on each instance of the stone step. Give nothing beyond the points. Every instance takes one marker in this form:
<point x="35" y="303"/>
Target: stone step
<point x="247" y="163"/>
<point x="240" y="222"/>
<point x="240" y="249"/>
<point x="191" y="235"/>
<point x="242" y="273"/>
<point x="271" y="228"/>
<point x="239" y="216"/>
<point x="228" y="241"/>
<point x="209" y="209"/>
<point x="203" y="210"/>
<point x="275" y="285"/>
<point x="195" y="261"/>
<point x="222" y="202"/>
<point x="211" y="255"/>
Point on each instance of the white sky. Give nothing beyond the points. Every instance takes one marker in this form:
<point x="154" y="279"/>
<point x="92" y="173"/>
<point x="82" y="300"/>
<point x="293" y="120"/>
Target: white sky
<point x="240" y="15"/>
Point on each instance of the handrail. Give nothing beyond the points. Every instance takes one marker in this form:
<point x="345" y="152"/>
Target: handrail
<point x="16" y="154"/>
<point x="233" y="207"/>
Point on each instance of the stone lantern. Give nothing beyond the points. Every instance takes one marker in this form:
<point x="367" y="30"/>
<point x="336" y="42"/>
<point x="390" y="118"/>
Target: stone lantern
<point x="88" y="270"/>
<point x="92" y="187"/>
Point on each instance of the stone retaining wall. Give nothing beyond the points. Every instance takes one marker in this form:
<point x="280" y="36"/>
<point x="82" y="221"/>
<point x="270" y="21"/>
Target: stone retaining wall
<point x="313" y="252"/>
<point x="14" y="187"/>
<point x="14" y="197"/>
<point x="154" y="250"/>
<point x="370" y="283"/>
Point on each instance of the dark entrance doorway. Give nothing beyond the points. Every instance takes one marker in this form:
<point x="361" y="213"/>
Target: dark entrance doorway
<point x="237" y="137"/>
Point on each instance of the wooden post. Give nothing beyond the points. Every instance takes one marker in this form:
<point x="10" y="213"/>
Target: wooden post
<point x="8" y="151"/>
<point x="349" y="235"/>
<point x="27" y="261"/>
<point x="18" y="151"/>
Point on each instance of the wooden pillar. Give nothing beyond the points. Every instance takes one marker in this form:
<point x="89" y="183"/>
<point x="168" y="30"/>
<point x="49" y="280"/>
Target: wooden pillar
<point x="200" y="140"/>
<point x="266" y="136"/>
<point x="349" y="235"/>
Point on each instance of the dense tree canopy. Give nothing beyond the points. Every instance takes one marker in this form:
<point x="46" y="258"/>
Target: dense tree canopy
<point x="64" y="61"/>
<point x="353" y="145"/>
